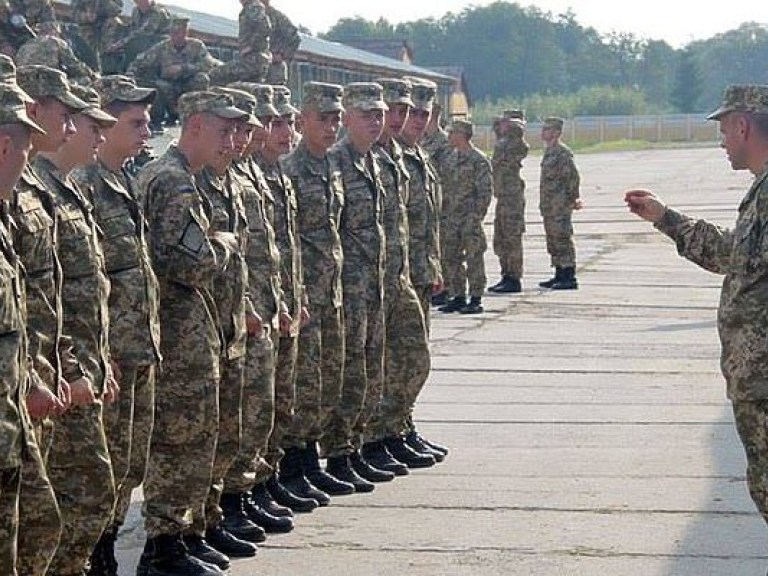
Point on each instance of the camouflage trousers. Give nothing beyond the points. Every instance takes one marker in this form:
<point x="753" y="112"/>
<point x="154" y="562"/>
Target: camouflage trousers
<point x="751" y="419"/>
<point x="363" y="379"/>
<point x="508" y="229"/>
<point x="406" y="362"/>
<point x="249" y="69"/>
<point x="228" y="443"/>
<point x="257" y="413"/>
<point x="319" y="370"/>
<point x="10" y="484"/>
<point x="277" y="74"/>
<point x="142" y="420"/>
<point x="80" y="471"/>
<point x="465" y="247"/>
<point x="559" y="231"/>
<point x="181" y="450"/>
<point x="444" y="226"/>
<point x="39" y="517"/>
<point x="168" y="94"/>
<point x="285" y="396"/>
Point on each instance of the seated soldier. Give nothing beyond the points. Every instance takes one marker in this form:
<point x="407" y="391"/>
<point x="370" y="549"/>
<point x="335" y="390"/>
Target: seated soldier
<point x="48" y="49"/>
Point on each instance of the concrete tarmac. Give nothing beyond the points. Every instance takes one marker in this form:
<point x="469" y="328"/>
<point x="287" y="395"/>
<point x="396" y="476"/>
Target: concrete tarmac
<point x="589" y="430"/>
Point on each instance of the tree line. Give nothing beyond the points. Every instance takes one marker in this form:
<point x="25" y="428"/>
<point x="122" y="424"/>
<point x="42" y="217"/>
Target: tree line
<point x="515" y="55"/>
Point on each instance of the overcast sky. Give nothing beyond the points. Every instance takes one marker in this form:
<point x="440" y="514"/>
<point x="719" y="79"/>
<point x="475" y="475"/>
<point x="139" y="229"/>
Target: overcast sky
<point x="676" y="21"/>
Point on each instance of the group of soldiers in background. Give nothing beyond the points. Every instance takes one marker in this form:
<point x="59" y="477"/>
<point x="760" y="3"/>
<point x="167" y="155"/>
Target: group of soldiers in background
<point x="152" y="46"/>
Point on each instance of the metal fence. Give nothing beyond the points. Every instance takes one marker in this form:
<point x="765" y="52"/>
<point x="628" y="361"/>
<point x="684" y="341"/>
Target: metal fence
<point x="587" y="130"/>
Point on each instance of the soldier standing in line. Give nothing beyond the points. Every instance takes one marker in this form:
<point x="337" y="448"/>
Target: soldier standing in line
<point x="184" y="64"/>
<point x="424" y="240"/>
<point x="187" y="255"/>
<point x="48" y="49"/>
<point x="134" y="330"/>
<point x="94" y="19"/>
<point x="509" y="188"/>
<point x="284" y="40"/>
<point x="19" y="452"/>
<point x="558" y="198"/>
<point x="285" y="224"/>
<point x="320" y="362"/>
<point x="739" y="254"/>
<point x="79" y="464"/>
<point x="406" y="350"/>
<point x="471" y="190"/>
<point x="363" y="244"/>
<point x="229" y="530"/>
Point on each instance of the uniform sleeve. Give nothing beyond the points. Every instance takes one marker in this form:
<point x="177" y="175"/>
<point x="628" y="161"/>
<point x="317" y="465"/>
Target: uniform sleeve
<point x="484" y="185"/>
<point x="699" y="241"/>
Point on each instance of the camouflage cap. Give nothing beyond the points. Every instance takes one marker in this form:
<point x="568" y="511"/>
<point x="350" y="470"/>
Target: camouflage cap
<point x="514" y="114"/>
<point x="364" y="96"/>
<point x="264" y="95"/>
<point x="119" y="88"/>
<point x="396" y="91"/>
<point x="242" y="100"/>
<point x="322" y="97"/>
<point x="554" y="122"/>
<point x="208" y="102"/>
<point x="424" y="93"/>
<point x="283" y="100"/>
<point x="91" y="98"/>
<point x="42" y="81"/>
<point x="752" y="98"/>
<point x="463" y="127"/>
<point x="13" y="107"/>
<point x="177" y="20"/>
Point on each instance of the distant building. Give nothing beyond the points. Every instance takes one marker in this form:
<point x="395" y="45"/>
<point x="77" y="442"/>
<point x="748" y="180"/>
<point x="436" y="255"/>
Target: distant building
<point x="400" y="50"/>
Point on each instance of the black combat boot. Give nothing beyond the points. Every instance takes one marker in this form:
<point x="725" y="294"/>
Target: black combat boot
<point x="509" y="286"/>
<point x="285" y="497"/>
<point x="413" y="434"/>
<point x="416" y="443"/>
<point x="556" y="278"/>
<point x="498" y="284"/>
<point x="292" y="477"/>
<point x="567" y="280"/>
<point x="474" y="306"/>
<point x="368" y="472"/>
<point x="400" y="450"/>
<point x="103" y="562"/>
<point x="167" y="555"/>
<point x="454" y="305"/>
<point x="236" y="521"/>
<point x="227" y="543"/>
<point x="340" y="468"/>
<point x="310" y="463"/>
<point x="200" y="549"/>
<point x="440" y="299"/>
<point x="270" y="523"/>
<point x="377" y="455"/>
<point x="264" y="500"/>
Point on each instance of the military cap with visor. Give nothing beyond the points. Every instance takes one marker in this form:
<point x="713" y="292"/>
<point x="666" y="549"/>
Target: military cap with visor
<point x="242" y="100"/>
<point x="92" y="99"/>
<point x="554" y="122"/>
<point x="364" y="96"/>
<point x="119" y="88"/>
<point x="748" y="98"/>
<point x="396" y="91"/>
<point x="42" y="81"/>
<point x="283" y="101"/>
<point x="13" y="109"/>
<point x="208" y="102"/>
<point x="322" y="97"/>
<point x="264" y="94"/>
<point x="464" y="127"/>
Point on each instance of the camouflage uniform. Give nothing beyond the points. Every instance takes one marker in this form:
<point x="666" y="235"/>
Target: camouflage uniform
<point x="363" y="243"/>
<point x="146" y="29"/>
<point x="35" y="11"/>
<point x="283" y="42"/>
<point x="254" y="32"/>
<point x="56" y="53"/>
<point x="96" y="20"/>
<point x="558" y="190"/>
<point x="440" y="152"/>
<point x="470" y="190"/>
<point x="509" y="188"/>
<point x="320" y="198"/>
<point x="134" y="329"/>
<point x="186" y="397"/>
<point x="79" y="464"/>
<point x="227" y="214"/>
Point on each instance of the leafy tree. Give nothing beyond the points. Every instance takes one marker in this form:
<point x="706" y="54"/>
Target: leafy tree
<point x="688" y="84"/>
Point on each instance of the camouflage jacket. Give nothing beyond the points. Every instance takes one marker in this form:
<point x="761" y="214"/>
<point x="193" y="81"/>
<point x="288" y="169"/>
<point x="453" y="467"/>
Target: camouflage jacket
<point x="156" y="21"/>
<point x="470" y="186"/>
<point x="559" y="186"/>
<point x="438" y="148"/>
<point x="361" y="230"/>
<point x="227" y="214"/>
<point x="394" y="218"/>
<point x="262" y="255"/>
<point x="193" y="58"/>
<point x="254" y="33"/>
<point x="56" y="53"/>
<point x="91" y="13"/>
<point x="424" y="205"/>
<point x="35" y="234"/>
<point x="741" y="254"/>
<point x="320" y="199"/>
<point x="14" y="420"/>
<point x="186" y="257"/>
<point x="35" y="11"/>
<point x="508" y="155"/>
<point x="287" y="236"/>
<point x="85" y="287"/>
<point x="134" y="325"/>
<point x="284" y="38"/>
